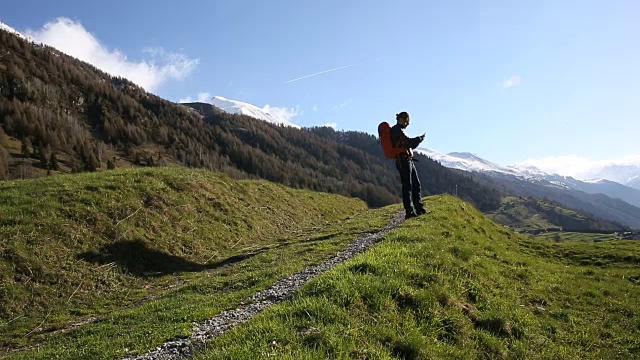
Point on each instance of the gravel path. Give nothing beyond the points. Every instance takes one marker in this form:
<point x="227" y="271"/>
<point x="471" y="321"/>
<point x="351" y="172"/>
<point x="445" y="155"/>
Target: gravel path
<point x="227" y="320"/>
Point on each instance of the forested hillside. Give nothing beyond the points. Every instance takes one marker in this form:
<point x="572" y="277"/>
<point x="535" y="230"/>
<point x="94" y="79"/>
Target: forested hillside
<point x="531" y="213"/>
<point x="58" y="114"/>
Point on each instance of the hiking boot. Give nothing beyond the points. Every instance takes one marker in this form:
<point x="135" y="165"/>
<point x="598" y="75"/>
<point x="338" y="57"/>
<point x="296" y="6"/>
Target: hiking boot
<point x="421" y="211"/>
<point x="410" y="215"/>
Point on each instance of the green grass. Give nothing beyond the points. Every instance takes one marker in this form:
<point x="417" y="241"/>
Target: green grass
<point x="142" y="250"/>
<point x="454" y="285"/>
<point x="576" y="236"/>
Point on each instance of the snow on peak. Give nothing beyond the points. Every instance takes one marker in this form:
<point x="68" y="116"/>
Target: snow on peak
<point x="471" y="157"/>
<point x="528" y="170"/>
<point x="268" y="114"/>
<point x="8" y="28"/>
<point x="465" y="161"/>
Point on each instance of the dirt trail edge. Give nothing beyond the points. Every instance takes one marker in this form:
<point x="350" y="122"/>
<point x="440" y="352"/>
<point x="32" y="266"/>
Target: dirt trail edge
<point x="227" y="320"/>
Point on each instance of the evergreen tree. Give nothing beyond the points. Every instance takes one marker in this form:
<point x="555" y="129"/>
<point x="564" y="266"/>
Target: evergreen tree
<point x="4" y="163"/>
<point x="42" y="157"/>
<point x="25" y="147"/>
<point x="53" y="162"/>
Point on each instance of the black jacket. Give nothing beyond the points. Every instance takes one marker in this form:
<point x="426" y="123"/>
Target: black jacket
<point x="400" y="139"/>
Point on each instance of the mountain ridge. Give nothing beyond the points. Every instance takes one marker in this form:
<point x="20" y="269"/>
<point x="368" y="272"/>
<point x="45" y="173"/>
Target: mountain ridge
<point x="473" y="163"/>
<point x="11" y="30"/>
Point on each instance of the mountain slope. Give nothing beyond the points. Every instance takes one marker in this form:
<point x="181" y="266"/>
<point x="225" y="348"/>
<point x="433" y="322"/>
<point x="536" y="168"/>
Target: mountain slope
<point x="606" y="200"/>
<point x="609" y="188"/>
<point x="454" y="285"/>
<point x="473" y="163"/>
<point x="601" y="206"/>
<point x="465" y="161"/>
<point x="531" y="213"/>
<point x="58" y="114"/>
<point x="623" y="173"/>
<point x="11" y="30"/>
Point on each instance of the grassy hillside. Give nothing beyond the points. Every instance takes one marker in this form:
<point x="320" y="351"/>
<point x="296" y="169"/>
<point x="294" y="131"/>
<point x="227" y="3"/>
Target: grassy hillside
<point x="529" y="213"/>
<point x="454" y="285"/>
<point x="81" y="247"/>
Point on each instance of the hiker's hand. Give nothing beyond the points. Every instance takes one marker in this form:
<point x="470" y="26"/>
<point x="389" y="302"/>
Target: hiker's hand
<point x="421" y="137"/>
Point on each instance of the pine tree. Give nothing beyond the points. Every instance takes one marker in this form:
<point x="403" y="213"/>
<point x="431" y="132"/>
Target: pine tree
<point x="42" y="157"/>
<point x="53" y="162"/>
<point x="4" y="163"/>
<point x="26" y="144"/>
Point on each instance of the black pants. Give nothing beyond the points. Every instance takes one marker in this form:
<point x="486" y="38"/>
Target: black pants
<point x="411" y="192"/>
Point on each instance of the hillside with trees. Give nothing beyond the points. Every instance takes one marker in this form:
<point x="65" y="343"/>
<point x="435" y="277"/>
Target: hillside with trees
<point x="61" y="115"/>
<point x="539" y="214"/>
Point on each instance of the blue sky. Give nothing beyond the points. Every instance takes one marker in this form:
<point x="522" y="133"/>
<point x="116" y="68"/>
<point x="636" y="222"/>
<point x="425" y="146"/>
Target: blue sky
<point x="507" y="80"/>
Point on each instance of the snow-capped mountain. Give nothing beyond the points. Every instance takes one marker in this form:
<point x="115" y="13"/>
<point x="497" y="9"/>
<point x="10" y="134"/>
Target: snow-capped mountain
<point x="530" y="171"/>
<point x="465" y="161"/>
<point x="8" y="28"/>
<point x="239" y="107"/>
<point x="530" y="174"/>
<point x="625" y="171"/>
<point x="473" y="163"/>
<point x="626" y="174"/>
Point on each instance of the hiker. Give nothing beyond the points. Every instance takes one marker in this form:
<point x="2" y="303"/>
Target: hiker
<point x="411" y="192"/>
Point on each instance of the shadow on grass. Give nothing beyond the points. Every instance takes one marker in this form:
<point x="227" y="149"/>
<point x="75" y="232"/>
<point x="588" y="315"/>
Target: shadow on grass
<point x="136" y="258"/>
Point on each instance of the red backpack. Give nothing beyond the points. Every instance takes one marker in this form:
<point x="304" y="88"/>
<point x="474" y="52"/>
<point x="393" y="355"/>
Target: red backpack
<point x="384" y="131"/>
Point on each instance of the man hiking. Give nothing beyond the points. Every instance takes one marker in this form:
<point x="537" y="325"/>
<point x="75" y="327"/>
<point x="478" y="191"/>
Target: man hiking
<point x="411" y="192"/>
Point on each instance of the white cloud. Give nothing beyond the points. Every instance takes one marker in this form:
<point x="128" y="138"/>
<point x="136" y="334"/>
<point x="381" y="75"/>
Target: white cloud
<point x="576" y="166"/>
<point x="567" y="165"/>
<point x="343" y="105"/>
<point x="282" y="112"/>
<point x="315" y="108"/>
<point x="331" y="125"/>
<point x="72" y="38"/>
<point x="513" y="81"/>
<point x="202" y="97"/>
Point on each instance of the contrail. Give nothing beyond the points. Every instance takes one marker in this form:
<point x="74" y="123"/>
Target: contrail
<point x="321" y="72"/>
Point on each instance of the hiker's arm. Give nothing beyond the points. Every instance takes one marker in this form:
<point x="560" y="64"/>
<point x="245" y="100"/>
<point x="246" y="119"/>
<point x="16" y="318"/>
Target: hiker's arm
<point x="401" y="139"/>
<point x="413" y="143"/>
